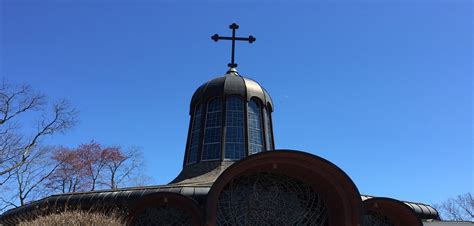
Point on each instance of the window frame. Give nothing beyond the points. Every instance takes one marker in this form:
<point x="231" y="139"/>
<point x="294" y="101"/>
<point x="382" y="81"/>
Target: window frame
<point x="260" y="105"/>
<point x="219" y="126"/>
<point x="243" y="142"/>
<point x="191" y="133"/>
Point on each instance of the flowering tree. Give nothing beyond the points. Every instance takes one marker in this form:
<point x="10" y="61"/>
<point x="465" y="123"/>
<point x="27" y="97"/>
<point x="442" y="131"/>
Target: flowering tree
<point x="92" y="162"/>
<point x="71" y="175"/>
<point x="121" y="165"/>
<point x="91" y="166"/>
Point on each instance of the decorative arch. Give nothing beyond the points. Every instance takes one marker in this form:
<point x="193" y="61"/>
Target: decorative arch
<point x="181" y="209"/>
<point x="394" y="212"/>
<point x="336" y="190"/>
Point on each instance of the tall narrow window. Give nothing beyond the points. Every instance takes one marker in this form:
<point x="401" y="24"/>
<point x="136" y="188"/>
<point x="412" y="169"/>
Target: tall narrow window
<point x="234" y="139"/>
<point x="212" y="133"/>
<point x="195" y="135"/>
<point x="268" y="129"/>
<point x="255" y="128"/>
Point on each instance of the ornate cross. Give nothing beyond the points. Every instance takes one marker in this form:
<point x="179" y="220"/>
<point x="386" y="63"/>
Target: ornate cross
<point x="233" y="26"/>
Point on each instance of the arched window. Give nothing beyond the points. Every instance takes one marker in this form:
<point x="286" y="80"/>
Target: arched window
<point x="195" y="135"/>
<point x="212" y="133"/>
<point x="255" y="128"/>
<point x="270" y="199"/>
<point x="268" y="129"/>
<point x="234" y="139"/>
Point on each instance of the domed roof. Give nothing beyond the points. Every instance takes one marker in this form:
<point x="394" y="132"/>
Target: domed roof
<point x="231" y="84"/>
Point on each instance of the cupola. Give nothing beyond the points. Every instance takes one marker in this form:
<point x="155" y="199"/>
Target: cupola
<point x="230" y="119"/>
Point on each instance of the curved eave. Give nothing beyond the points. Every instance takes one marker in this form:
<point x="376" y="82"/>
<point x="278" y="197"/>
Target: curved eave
<point x="423" y="211"/>
<point x="99" y="199"/>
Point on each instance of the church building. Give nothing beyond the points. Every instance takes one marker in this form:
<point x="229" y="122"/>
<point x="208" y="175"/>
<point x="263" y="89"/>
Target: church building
<point x="233" y="174"/>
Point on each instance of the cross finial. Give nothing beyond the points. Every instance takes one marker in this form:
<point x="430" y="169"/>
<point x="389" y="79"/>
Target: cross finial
<point x="234" y="27"/>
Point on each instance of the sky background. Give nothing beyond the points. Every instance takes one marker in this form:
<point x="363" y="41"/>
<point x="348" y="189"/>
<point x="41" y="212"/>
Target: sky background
<point x="383" y="89"/>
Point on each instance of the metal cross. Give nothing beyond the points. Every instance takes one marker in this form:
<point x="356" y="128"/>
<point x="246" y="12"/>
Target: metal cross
<point x="233" y="26"/>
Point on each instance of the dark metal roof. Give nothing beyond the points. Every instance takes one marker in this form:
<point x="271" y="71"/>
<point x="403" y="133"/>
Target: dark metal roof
<point x="424" y="211"/>
<point x="121" y="198"/>
<point x="201" y="173"/>
<point x="231" y="84"/>
<point x="127" y="197"/>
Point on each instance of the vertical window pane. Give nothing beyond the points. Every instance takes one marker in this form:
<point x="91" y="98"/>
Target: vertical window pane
<point x="212" y="132"/>
<point x="234" y="139"/>
<point x="268" y="130"/>
<point x="195" y="135"/>
<point x="255" y="128"/>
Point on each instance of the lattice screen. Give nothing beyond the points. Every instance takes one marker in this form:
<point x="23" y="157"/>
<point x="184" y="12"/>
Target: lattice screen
<point x="270" y="199"/>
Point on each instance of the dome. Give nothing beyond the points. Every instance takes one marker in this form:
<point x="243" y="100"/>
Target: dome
<point x="230" y="120"/>
<point x="231" y="84"/>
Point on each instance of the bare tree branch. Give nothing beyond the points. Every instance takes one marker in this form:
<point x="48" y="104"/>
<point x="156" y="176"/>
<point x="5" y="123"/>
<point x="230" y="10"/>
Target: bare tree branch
<point x="460" y="208"/>
<point x="16" y="100"/>
<point x="13" y="151"/>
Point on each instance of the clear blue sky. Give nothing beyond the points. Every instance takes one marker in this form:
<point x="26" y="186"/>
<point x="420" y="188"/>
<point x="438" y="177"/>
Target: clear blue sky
<point x="383" y="89"/>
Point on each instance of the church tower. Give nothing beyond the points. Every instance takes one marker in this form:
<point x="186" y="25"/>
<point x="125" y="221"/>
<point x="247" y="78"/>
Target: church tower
<point x="230" y="119"/>
<point x="230" y="116"/>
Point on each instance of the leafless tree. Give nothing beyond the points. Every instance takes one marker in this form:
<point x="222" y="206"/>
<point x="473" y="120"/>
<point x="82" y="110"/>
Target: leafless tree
<point x="122" y="167"/>
<point x="16" y="144"/>
<point x="460" y="208"/>
<point x="29" y="178"/>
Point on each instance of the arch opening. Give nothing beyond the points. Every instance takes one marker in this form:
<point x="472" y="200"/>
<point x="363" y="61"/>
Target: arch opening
<point x="335" y="189"/>
<point x="270" y="199"/>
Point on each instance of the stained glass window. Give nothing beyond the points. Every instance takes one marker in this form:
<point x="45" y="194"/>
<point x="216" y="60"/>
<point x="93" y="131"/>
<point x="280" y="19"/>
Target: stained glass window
<point x="255" y="128"/>
<point x="270" y="199"/>
<point x="212" y="133"/>
<point x="195" y="135"/>
<point x="268" y="130"/>
<point x="234" y="139"/>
